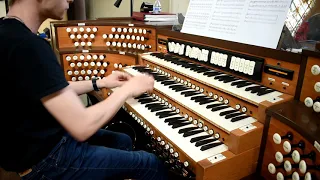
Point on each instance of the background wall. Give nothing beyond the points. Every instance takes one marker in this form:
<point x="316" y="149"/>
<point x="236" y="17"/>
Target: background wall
<point x="105" y="8"/>
<point x="179" y="6"/>
<point x="2" y="8"/>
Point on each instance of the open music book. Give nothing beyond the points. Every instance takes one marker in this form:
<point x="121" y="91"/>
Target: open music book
<point x="254" y="22"/>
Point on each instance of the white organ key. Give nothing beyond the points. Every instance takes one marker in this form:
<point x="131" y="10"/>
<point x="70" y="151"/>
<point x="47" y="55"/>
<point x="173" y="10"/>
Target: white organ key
<point x="226" y="87"/>
<point x="182" y="142"/>
<point x="214" y="117"/>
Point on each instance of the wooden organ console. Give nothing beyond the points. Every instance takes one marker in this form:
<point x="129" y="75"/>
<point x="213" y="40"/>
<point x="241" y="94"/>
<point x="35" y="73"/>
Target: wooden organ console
<point x="290" y="147"/>
<point x="206" y="114"/>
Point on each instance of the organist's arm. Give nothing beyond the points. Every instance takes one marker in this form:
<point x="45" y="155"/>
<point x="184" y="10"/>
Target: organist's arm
<point x="115" y="79"/>
<point x="83" y="122"/>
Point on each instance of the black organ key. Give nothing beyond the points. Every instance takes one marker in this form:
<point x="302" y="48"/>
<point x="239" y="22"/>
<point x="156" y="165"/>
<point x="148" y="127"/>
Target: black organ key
<point x="209" y="146"/>
<point x="267" y="91"/>
<point x="207" y="101"/>
<point x="219" y="108"/>
<point x="210" y="74"/>
<point x="177" y="125"/>
<point x="233" y="115"/>
<point x="187" y="129"/>
<point x="178" y="122"/>
<point x="238" y="82"/>
<point x="214" y="105"/>
<point x="202" y="99"/>
<point x="244" y="84"/>
<point x="252" y="88"/>
<point x="190" y="133"/>
<point x="228" y="112"/>
<point x="173" y="119"/>
<point x="166" y="83"/>
<point x="144" y="101"/>
<point x="144" y="95"/>
<point x="198" y="97"/>
<point x="205" y="141"/>
<point x="238" y="118"/>
<point x="164" y="112"/>
<point x="191" y="94"/>
<point x="195" y="139"/>
<point x="167" y="115"/>
<point x="158" y="104"/>
<point x="158" y="109"/>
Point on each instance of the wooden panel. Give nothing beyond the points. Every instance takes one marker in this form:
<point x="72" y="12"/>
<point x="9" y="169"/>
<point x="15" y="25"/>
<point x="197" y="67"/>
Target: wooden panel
<point x="308" y="87"/>
<point x="97" y="40"/>
<point x="113" y="61"/>
<point x="271" y="148"/>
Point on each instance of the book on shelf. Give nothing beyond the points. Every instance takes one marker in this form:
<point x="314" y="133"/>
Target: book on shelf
<point x="148" y="16"/>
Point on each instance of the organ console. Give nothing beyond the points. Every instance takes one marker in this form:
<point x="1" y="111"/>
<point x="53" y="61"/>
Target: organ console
<point x="290" y="147"/>
<point x="218" y="110"/>
<point x="206" y="114"/>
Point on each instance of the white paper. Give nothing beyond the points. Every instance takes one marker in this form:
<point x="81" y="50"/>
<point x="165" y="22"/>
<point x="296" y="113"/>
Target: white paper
<point x="254" y="22"/>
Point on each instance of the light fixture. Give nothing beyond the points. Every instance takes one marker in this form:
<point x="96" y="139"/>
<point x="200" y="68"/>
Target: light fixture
<point x="118" y="3"/>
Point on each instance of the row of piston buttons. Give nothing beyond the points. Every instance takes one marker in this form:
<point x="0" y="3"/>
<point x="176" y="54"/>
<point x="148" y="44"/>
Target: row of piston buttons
<point x="128" y="37"/>
<point x="197" y="88"/>
<point x="80" y="78"/>
<point x="162" y="142"/>
<point x="77" y="44"/>
<point x="130" y="30"/>
<point x="82" y="29"/>
<point x="129" y="45"/>
<point x="186" y="116"/>
<point x="92" y="64"/>
<point x="84" y="72"/>
<point x="84" y="36"/>
<point x="88" y="57"/>
<point x="315" y="104"/>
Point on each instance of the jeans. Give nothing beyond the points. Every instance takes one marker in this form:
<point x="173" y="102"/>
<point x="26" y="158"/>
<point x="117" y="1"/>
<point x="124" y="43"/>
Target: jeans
<point x="106" y="155"/>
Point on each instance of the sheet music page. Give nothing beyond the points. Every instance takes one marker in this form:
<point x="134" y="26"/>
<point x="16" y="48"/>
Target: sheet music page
<point x="254" y="22"/>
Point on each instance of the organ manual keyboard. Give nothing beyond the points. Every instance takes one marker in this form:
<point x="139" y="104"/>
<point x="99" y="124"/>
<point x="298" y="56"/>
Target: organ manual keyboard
<point x="206" y="114"/>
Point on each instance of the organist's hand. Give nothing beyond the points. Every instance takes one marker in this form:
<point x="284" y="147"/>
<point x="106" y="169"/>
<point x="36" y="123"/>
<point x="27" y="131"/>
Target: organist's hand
<point x="138" y="85"/>
<point x="115" y="79"/>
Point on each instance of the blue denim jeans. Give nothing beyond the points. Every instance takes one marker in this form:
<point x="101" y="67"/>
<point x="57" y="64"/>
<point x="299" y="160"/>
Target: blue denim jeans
<point x="106" y="155"/>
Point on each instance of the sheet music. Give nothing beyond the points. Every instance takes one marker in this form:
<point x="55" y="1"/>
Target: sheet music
<point x="255" y="22"/>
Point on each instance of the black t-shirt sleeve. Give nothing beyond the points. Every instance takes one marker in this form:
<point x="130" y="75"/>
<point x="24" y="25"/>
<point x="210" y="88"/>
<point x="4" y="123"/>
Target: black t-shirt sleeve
<point x="38" y="69"/>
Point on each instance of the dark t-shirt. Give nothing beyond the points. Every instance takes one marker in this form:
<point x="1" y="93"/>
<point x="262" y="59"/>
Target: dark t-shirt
<point x="28" y="132"/>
